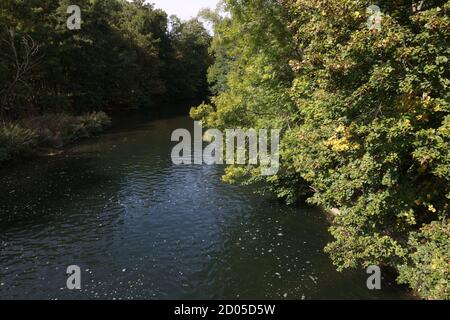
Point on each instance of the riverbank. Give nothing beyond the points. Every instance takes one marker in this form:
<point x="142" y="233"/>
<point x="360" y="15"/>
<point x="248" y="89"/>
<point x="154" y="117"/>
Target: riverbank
<point x="44" y="134"/>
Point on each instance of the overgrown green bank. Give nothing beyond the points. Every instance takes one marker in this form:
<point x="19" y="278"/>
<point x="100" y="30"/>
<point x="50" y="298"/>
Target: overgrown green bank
<point x="365" y="119"/>
<point x="28" y="137"/>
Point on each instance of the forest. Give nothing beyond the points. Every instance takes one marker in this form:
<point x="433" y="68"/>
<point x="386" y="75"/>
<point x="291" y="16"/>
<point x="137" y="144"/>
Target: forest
<point x="365" y="121"/>
<point x="57" y="83"/>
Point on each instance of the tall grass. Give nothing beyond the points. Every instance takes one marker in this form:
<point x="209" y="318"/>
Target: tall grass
<point x="25" y="137"/>
<point x="15" y="140"/>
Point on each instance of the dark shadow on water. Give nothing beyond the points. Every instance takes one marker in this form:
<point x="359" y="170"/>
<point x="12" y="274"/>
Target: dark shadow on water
<point x="26" y="191"/>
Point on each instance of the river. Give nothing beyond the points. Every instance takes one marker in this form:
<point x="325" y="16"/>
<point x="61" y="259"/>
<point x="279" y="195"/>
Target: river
<point x="140" y="227"/>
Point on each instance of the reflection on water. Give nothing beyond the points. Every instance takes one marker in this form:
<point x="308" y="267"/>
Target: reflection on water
<point x="140" y="227"/>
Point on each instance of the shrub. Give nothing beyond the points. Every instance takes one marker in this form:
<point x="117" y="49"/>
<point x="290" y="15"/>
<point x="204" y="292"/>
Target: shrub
<point x="15" y="140"/>
<point x="95" y="122"/>
<point x="428" y="268"/>
<point x="50" y="130"/>
<point x="56" y="130"/>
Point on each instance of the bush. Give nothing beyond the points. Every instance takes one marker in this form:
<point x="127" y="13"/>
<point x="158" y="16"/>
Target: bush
<point x="56" y="130"/>
<point x="50" y="130"/>
<point x="428" y="268"/>
<point x="15" y="140"/>
<point x="95" y="122"/>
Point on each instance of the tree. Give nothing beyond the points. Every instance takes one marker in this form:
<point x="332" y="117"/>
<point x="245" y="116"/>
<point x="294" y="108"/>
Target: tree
<point x="365" y="119"/>
<point x="123" y="57"/>
<point x="17" y="91"/>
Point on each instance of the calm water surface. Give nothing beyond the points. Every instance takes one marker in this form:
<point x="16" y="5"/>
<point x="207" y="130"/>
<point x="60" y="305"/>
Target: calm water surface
<point x="142" y="228"/>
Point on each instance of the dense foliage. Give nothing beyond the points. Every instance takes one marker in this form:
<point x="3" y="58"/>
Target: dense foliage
<point x="126" y="55"/>
<point x="365" y="117"/>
